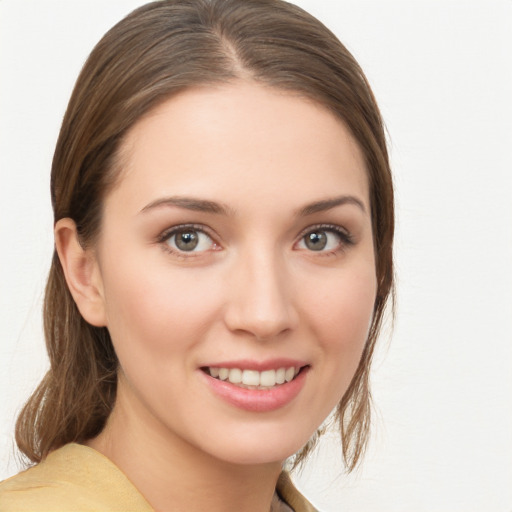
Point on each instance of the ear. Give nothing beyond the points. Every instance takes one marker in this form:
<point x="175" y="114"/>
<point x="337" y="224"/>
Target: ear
<point x="82" y="273"/>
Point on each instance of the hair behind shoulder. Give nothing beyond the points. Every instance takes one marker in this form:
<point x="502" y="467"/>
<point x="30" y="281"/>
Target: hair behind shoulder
<point x="156" y="51"/>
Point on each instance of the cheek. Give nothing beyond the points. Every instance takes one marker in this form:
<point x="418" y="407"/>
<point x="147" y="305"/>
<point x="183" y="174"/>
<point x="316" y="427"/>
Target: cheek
<point x="156" y="314"/>
<point x="343" y="312"/>
<point x="341" y="317"/>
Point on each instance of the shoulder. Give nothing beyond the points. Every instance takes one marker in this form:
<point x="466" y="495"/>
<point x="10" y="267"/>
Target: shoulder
<point x="73" y="477"/>
<point x="288" y="492"/>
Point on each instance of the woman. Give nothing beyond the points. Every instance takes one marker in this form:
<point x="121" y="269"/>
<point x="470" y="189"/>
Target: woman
<point x="223" y="225"/>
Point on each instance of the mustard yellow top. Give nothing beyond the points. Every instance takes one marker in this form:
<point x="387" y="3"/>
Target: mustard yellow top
<point x="80" y="479"/>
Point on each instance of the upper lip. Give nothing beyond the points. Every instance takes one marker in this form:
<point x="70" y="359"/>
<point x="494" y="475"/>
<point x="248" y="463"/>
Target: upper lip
<point x="260" y="366"/>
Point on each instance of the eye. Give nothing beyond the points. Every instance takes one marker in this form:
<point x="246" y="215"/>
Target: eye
<point x="185" y="239"/>
<point x="324" y="239"/>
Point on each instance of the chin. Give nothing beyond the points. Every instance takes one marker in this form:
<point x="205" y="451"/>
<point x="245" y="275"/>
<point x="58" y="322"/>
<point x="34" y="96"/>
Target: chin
<point x="250" y="445"/>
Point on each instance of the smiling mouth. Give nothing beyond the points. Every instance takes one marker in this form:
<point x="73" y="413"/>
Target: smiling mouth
<point x="253" y="379"/>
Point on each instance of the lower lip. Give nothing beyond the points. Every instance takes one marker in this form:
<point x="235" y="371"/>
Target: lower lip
<point x="257" y="400"/>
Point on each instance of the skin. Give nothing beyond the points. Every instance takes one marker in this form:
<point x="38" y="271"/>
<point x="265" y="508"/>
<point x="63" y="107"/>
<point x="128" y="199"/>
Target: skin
<point x="253" y="290"/>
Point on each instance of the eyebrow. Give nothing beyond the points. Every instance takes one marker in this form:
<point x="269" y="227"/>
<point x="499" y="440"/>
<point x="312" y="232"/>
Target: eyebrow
<point x="328" y="204"/>
<point x="189" y="203"/>
<point x="206" y="206"/>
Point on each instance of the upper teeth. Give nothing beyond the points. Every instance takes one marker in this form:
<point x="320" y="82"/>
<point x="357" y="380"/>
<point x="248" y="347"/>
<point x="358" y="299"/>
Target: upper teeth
<point x="267" y="378"/>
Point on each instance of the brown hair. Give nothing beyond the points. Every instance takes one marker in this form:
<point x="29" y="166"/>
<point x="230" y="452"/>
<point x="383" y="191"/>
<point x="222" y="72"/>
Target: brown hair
<point x="156" y="51"/>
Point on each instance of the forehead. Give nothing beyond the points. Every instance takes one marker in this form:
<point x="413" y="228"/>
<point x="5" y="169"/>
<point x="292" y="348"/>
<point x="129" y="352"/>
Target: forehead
<point x="241" y="140"/>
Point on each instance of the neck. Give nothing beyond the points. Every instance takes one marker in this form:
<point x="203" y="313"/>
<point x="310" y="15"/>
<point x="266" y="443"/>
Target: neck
<point x="169" y="471"/>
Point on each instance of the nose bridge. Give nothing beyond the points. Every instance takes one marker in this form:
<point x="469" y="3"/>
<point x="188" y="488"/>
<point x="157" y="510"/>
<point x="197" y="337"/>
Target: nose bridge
<point x="260" y="300"/>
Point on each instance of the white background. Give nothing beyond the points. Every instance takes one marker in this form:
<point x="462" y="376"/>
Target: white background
<point x="442" y="73"/>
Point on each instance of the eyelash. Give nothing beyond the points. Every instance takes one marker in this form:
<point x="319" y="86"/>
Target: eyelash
<point x="168" y="233"/>
<point x="346" y="239"/>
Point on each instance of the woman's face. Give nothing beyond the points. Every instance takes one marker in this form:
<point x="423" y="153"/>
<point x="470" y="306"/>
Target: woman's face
<point x="237" y="245"/>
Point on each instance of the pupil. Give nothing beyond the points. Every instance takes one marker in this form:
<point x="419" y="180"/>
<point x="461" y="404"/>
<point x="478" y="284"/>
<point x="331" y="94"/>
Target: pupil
<point x="316" y="241"/>
<point x="187" y="241"/>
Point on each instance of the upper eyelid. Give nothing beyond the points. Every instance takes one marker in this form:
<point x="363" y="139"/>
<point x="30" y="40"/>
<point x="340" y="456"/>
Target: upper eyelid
<point x="326" y="227"/>
<point x="167" y="233"/>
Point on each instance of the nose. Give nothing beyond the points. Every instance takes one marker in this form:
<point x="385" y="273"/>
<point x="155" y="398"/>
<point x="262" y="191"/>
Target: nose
<point x="260" y="297"/>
